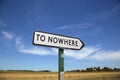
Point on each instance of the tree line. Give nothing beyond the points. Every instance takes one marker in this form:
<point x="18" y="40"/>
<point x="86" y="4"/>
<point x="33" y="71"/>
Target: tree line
<point x="96" y="69"/>
<point x="91" y="69"/>
<point x="24" y="71"/>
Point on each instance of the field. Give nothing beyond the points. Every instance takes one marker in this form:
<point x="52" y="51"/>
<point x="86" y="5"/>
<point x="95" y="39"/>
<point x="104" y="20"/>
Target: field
<point x="54" y="76"/>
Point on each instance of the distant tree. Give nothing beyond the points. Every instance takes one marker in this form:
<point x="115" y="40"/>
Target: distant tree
<point x="89" y="69"/>
<point x="107" y="69"/>
<point x="95" y="69"/>
<point x="82" y="70"/>
<point x="44" y="71"/>
<point x="98" y="69"/>
<point x="116" y="69"/>
<point x="1" y="70"/>
<point x="75" y="70"/>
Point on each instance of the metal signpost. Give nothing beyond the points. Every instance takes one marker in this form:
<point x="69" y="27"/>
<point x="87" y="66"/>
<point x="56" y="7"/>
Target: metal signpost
<point x="58" y="41"/>
<point x="61" y="64"/>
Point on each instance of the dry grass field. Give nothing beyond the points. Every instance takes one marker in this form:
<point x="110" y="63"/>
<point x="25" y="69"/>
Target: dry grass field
<point x="54" y="76"/>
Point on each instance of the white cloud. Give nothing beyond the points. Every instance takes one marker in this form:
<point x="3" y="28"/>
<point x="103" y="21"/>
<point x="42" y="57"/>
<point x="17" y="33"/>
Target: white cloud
<point x="7" y="35"/>
<point x="24" y="49"/>
<point x="80" y="26"/>
<point x="34" y="50"/>
<point x="37" y="51"/>
<point x="88" y="52"/>
<point x="64" y="27"/>
<point x="18" y="43"/>
<point x="106" y="55"/>
<point x="85" y="25"/>
<point x="84" y="53"/>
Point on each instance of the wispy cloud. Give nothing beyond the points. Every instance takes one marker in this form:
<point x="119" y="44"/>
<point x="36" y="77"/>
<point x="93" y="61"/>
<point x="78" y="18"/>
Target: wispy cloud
<point x="7" y="35"/>
<point x="31" y="50"/>
<point x="82" y="54"/>
<point x="88" y="52"/>
<point x="37" y="51"/>
<point x="80" y="26"/>
<point x="106" y="55"/>
<point x="94" y="53"/>
<point x="19" y="43"/>
<point x="64" y="27"/>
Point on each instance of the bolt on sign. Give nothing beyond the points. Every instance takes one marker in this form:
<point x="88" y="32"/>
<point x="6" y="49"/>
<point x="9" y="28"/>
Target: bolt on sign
<point x="58" y="41"/>
<point x="54" y="40"/>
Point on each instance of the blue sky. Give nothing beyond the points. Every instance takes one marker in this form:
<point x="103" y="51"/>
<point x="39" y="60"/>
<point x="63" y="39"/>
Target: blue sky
<point x="95" y="22"/>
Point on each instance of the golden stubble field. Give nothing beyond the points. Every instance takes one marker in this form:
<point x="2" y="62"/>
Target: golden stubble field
<point x="54" y="76"/>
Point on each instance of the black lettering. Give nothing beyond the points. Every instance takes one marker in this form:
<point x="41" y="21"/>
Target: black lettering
<point x="55" y="39"/>
<point x="42" y="38"/>
<point x="60" y="41"/>
<point x="69" y="42"/>
<point x="37" y="36"/>
<point x="65" y="41"/>
<point x="73" y="43"/>
<point x="76" y="43"/>
<point x="50" y="39"/>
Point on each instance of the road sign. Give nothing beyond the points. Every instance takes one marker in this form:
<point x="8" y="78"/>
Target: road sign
<point x="59" y="41"/>
<point x="55" y="40"/>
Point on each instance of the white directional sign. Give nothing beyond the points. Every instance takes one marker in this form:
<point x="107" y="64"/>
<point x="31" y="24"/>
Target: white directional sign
<point x="54" y="40"/>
